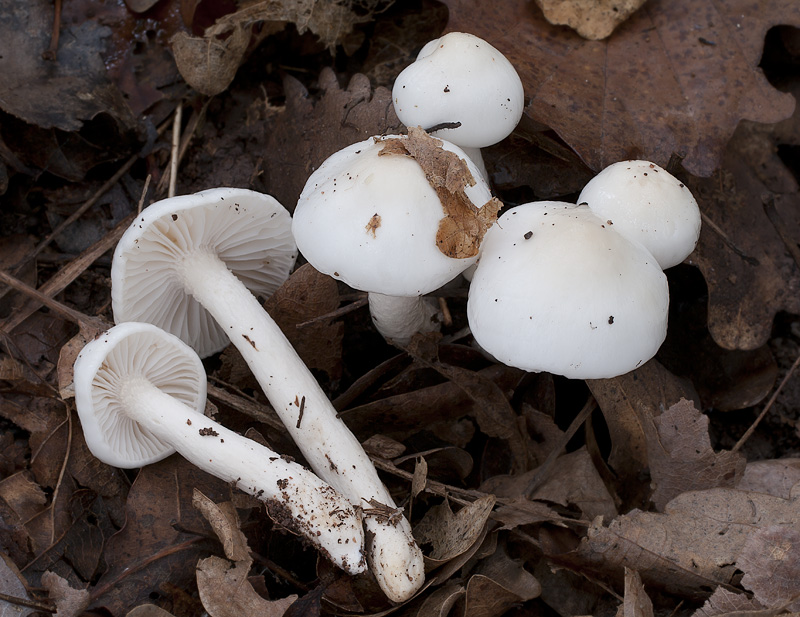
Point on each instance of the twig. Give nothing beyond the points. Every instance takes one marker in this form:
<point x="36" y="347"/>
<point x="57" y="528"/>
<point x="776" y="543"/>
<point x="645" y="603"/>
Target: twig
<point x="728" y="242"/>
<point x="767" y="407"/>
<point x="173" y="157"/>
<point x="52" y="50"/>
<point x="140" y="205"/>
<point x="544" y="468"/>
<point x="342" y="310"/>
<point x="39" y="606"/>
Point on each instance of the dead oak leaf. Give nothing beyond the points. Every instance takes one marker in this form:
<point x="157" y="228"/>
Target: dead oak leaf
<point x="750" y="274"/>
<point x="691" y="547"/>
<point x="681" y="457"/>
<point x="652" y="89"/>
<point x="462" y="229"/>
<point x="592" y="19"/>
<point x="770" y="561"/>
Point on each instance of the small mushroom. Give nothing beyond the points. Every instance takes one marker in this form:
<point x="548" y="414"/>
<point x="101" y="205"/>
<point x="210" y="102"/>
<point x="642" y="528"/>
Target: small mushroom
<point x="646" y="204"/>
<point x="185" y="265"/>
<point x="140" y="394"/>
<point x="559" y="290"/>
<point x="461" y="82"/>
<point x="373" y="222"/>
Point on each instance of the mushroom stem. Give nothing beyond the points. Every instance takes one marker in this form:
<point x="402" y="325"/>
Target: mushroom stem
<point x="317" y="511"/>
<point x="398" y="318"/>
<point x="330" y="448"/>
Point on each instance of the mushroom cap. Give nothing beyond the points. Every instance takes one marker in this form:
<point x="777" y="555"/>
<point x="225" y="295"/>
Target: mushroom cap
<point x="371" y="221"/>
<point x="129" y="350"/>
<point x="249" y="231"/>
<point x="649" y="205"/>
<point x="461" y="78"/>
<point x="558" y="290"/>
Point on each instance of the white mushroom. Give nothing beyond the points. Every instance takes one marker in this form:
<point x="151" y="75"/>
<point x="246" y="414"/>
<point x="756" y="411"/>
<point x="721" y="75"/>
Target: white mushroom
<point x="460" y="79"/>
<point x="373" y="221"/>
<point x="171" y="268"/>
<point x="646" y="204"/>
<point x="140" y="393"/>
<point x="558" y="289"/>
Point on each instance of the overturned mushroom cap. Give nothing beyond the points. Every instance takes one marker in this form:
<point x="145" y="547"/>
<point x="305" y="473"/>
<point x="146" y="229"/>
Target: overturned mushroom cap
<point x="558" y="290"/>
<point x="646" y="204"/>
<point x="460" y="78"/>
<point x="372" y="220"/>
<point x="112" y="436"/>
<point x="249" y="231"/>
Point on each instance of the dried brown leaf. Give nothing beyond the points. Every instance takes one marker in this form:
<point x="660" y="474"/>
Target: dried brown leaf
<point x="774" y="477"/>
<point x="636" y="603"/>
<point x="13" y="584"/>
<point x="22" y="494"/>
<point x="209" y="63"/>
<point x="750" y="274"/>
<point x="69" y="602"/>
<point x="681" y="457"/>
<point x="450" y="535"/>
<point x="592" y="19"/>
<point x="462" y="229"/>
<point x="383" y="446"/>
<point x="724" y="603"/>
<point x="508" y="577"/>
<point x="441" y="601"/>
<point x="770" y="561"/>
<point x="650" y="90"/>
<point x="225" y="522"/>
<point x="691" y="547"/>
<point x="420" y="478"/>
<point x="148" y="610"/>
<point x="225" y="591"/>
<point x="629" y="402"/>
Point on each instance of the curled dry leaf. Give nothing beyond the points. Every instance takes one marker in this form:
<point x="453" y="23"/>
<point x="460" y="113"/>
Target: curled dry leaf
<point x="226" y="592"/>
<point x="209" y="63"/>
<point x="592" y="19"/>
<point x="225" y="522"/>
<point x="450" y="535"/>
<point x="440" y="602"/>
<point x="770" y="561"/>
<point x="636" y="602"/>
<point x="652" y="89"/>
<point x="462" y="229"/>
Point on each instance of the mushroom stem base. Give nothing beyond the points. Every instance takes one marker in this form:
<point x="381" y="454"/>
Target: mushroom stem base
<point x="398" y="318"/>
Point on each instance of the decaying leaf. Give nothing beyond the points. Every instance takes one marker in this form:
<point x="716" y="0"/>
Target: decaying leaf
<point x="681" y="457"/>
<point x="450" y="534"/>
<point x="650" y="90"/>
<point x="770" y="561"/>
<point x="724" y="603"/>
<point x="440" y="602"/>
<point x="636" y="603"/>
<point x="12" y="584"/>
<point x="69" y="601"/>
<point x="225" y="522"/>
<point x="774" y="477"/>
<point x="462" y="229"/>
<point x="209" y="63"/>
<point x="629" y="402"/>
<point x="690" y="548"/>
<point x="592" y="19"/>
<point x="225" y="591"/>
<point x="750" y="273"/>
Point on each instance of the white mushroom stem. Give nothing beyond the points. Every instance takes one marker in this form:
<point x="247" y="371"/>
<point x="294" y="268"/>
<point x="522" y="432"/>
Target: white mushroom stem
<point x="315" y="510"/>
<point x="398" y="318"/>
<point x="330" y="448"/>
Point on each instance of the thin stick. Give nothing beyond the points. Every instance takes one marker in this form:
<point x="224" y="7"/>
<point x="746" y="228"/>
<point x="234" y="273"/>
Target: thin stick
<point x="51" y="52"/>
<point x="144" y="194"/>
<point x="342" y="310"/>
<point x="544" y="468"/>
<point x="176" y="142"/>
<point x="39" y="606"/>
<point x="63" y="310"/>
<point x="767" y="407"/>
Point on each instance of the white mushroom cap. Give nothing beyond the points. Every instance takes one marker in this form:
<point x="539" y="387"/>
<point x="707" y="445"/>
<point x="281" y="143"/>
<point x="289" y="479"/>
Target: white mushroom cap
<point x="558" y="290"/>
<point x="249" y="231"/>
<point x="461" y="78"/>
<point x="371" y="221"/>
<point x="646" y="204"/>
<point x="137" y="349"/>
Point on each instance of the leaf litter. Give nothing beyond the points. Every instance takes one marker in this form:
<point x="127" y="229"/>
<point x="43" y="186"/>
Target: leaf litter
<point x="643" y="511"/>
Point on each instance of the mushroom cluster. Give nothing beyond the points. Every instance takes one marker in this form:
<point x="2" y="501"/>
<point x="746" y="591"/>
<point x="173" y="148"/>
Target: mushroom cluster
<point x="579" y="290"/>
